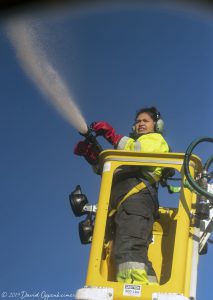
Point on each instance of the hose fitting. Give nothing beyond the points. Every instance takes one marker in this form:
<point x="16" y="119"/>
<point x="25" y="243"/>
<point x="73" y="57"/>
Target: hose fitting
<point x="91" y="138"/>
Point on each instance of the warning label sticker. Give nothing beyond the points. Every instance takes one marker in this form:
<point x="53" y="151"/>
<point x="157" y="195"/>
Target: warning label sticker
<point x="132" y="290"/>
<point x="107" y="166"/>
<point x="210" y="188"/>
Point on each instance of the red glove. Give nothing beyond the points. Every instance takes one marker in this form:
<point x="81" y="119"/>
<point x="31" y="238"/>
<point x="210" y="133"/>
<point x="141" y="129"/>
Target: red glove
<point x="107" y="131"/>
<point x="88" y="150"/>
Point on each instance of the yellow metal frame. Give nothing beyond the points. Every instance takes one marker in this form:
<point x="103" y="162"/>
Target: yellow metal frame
<point x="171" y="251"/>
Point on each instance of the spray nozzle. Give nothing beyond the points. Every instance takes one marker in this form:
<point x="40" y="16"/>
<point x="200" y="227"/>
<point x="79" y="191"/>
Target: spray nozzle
<point x="89" y="134"/>
<point x="91" y="137"/>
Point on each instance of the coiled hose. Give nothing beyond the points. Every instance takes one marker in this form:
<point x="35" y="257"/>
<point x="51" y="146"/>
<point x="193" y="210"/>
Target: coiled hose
<point x="187" y="156"/>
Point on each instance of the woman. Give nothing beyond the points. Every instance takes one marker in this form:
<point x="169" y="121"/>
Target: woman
<point x="135" y="211"/>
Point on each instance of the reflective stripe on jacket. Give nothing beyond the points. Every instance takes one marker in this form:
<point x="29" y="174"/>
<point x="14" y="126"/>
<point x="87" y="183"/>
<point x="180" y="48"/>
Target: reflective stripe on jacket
<point x="150" y="142"/>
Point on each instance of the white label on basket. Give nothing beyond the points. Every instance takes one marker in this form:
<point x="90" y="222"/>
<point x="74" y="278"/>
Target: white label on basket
<point x="107" y="167"/>
<point x="132" y="290"/>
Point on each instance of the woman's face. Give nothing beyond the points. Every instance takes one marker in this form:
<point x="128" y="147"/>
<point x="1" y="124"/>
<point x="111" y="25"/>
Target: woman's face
<point x="144" y="124"/>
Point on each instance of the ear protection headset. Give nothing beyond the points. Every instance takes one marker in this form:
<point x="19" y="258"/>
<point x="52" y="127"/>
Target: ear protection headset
<point x="159" y="123"/>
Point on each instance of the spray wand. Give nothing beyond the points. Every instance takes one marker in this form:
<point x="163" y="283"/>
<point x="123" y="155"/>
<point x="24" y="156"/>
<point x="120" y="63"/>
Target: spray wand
<point x="90" y="137"/>
<point x="93" y="149"/>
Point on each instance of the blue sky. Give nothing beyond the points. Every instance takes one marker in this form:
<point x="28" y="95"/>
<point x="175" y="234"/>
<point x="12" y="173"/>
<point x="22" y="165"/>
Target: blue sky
<point x="114" y="61"/>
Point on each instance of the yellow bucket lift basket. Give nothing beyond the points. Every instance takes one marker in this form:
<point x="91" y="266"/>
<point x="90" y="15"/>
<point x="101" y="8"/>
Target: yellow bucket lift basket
<point x="173" y="252"/>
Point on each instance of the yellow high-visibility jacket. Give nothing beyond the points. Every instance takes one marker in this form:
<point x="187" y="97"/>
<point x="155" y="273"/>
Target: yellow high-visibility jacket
<point x="150" y="142"/>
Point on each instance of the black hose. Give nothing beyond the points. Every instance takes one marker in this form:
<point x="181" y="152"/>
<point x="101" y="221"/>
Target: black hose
<point x="208" y="163"/>
<point x="186" y="166"/>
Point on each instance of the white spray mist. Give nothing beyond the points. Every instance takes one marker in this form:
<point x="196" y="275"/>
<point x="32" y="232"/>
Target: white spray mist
<point x="34" y="61"/>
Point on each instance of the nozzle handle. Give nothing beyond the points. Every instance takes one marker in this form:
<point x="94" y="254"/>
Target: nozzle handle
<point x="91" y="138"/>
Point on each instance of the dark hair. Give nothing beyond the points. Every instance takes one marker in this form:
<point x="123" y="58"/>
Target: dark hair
<point x="151" y="111"/>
